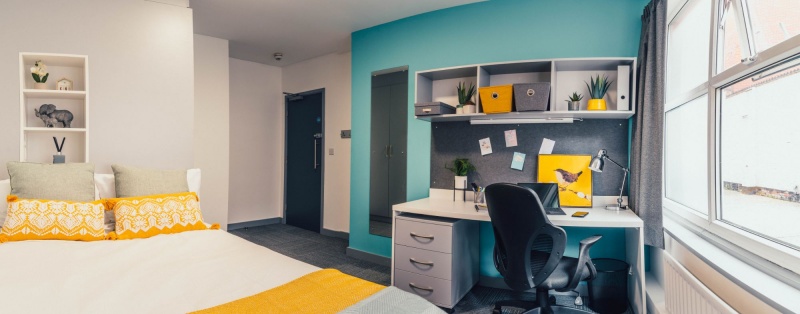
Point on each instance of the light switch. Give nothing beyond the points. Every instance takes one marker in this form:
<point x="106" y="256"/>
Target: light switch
<point x="330" y="151"/>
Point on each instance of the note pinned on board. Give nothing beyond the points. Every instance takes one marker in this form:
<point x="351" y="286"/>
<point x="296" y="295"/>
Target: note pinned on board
<point x="547" y="146"/>
<point x="511" y="138"/>
<point x="486" y="146"/>
<point x="518" y="161"/>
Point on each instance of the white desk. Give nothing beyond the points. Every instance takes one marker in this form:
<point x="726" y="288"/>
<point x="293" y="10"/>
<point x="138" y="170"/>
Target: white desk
<point x="598" y="217"/>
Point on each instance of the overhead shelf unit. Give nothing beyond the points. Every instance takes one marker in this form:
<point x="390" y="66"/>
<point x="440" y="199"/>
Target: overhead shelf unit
<point x="36" y="140"/>
<point x="565" y="76"/>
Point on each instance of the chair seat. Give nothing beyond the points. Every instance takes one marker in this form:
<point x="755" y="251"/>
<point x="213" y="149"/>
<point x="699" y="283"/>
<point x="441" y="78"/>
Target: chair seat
<point x="560" y="276"/>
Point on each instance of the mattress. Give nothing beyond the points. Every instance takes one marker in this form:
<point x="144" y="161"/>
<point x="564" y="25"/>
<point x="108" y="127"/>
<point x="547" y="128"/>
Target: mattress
<point x="173" y="273"/>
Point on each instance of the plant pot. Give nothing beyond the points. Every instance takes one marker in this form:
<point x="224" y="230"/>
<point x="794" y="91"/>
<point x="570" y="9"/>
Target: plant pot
<point x="460" y="182"/>
<point x="39" y="85"/>
<point x="574" y="105"/>
<point x="596" y="104"/>
<point x="459" y="110"/>
<point x="469" y="108"/>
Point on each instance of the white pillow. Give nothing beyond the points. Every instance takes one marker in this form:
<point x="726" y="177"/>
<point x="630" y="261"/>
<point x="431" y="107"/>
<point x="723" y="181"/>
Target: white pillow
<point x="5" y="189"/>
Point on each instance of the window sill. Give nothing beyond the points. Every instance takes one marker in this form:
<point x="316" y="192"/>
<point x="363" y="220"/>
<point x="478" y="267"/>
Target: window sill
<point x="775" y="286"/>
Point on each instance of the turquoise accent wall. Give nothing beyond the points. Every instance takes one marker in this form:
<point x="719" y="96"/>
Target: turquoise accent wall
<point x="491" y="31"/>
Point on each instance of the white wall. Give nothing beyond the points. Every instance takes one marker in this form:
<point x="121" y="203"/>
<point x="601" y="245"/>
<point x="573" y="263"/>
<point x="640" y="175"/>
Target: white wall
<point x="212" y="125"/>
<point x="256" y="142"/>
<point x="331" y="72"/>
<point x="141" y="75"/>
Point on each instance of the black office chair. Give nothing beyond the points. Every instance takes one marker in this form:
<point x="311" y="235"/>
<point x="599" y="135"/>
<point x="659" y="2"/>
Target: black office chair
<point x="529" y="250"/>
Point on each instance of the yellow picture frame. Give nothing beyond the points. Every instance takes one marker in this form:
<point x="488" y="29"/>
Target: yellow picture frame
<point x="572" y="174"/>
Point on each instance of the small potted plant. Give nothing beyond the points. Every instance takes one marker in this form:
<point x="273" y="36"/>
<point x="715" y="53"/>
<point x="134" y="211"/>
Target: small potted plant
<point x="461" y="167"/>
<point x="39" y="73"/>
<point x="597" y="90"/>
<point x="574" y="101"/>
<point x="465" y="98"/>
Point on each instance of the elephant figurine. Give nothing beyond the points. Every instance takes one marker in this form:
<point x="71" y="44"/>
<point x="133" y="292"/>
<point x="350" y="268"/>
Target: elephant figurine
<point x="51" y="116"/>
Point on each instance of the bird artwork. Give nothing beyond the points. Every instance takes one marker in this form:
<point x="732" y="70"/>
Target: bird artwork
<point x="565" y="178"/>
<point x="571" y="174"/>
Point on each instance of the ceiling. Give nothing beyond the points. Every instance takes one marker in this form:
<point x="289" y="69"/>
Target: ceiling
<point x="300" y="29"/>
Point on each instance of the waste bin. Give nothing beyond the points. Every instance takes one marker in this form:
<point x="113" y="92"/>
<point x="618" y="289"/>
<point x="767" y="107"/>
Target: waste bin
<point x="608" y="292"/>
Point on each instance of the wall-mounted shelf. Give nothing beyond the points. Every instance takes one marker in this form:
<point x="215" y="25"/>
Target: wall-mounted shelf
<point x="564" y="75"/>
<point x="50" y="94"/>
<point x="36" y="140"/>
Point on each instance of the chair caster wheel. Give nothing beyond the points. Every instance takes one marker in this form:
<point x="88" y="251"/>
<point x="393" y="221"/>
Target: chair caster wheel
<point x="579" y="301"/>
<point x="496" y="311"/>
<point x="552" y="299"/>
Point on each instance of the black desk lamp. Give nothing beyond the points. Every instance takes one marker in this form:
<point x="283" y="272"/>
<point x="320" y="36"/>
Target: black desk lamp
<point x="597" y="166"/>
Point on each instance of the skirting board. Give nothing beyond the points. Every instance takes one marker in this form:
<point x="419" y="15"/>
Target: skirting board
<point x="255" y="223"/>
<point x="335" y="234"/>
<point x="369" y="257"/>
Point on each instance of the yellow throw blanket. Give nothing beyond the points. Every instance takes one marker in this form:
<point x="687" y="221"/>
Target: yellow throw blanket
<point x="323" y="291"/>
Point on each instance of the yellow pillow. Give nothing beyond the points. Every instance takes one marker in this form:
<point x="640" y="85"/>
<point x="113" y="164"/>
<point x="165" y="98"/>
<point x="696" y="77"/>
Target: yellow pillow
<point x="147" y="216"/>
<point x="31" y="219"/>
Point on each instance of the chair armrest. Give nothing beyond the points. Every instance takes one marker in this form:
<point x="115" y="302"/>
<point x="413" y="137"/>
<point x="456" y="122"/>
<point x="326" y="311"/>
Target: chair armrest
<point x="583" y="260"/>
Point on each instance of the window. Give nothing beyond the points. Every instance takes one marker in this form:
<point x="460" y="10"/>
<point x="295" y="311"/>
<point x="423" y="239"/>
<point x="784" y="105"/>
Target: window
<point x="732" y="131"/>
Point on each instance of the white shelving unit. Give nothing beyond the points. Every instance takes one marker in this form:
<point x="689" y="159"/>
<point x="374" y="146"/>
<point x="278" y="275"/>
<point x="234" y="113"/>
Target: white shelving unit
<point x="36" y="140"/>
<point x="564" y="75"/>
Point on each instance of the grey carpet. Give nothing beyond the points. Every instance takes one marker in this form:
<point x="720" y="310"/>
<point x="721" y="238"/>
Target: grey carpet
<point x="329" y="252"/>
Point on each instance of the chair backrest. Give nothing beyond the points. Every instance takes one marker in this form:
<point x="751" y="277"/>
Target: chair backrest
<point x="520" y="226"/>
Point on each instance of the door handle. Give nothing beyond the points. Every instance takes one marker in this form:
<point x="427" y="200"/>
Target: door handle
<point x="421" y="263"/>
<point x="391" y="151"/>
<point x="413" y="286"/>
<point x="315" y="154"/>
<point x="386" y="151"/>
<point x="430" y="237"/>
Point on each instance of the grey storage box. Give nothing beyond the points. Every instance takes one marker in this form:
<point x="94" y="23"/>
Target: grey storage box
<point x="532" y="96"/>
<point x="432" y="108"/>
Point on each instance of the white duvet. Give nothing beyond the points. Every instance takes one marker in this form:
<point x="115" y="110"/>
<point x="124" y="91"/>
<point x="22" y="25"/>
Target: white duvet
<point x="175" y="273"/>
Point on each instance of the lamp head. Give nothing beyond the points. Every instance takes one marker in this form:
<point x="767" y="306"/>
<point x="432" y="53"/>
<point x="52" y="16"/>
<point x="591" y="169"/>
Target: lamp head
<point x="598" y="161"/>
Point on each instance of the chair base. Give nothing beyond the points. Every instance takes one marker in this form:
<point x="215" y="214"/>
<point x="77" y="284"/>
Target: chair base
<point x="545" y="304"/>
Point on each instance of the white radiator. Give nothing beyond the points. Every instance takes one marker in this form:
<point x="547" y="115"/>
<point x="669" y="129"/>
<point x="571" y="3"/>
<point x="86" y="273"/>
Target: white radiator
<point x="685" y="294"/>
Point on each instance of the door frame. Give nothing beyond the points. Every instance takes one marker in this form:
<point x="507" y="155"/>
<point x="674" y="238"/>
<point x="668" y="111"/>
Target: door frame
<point x="286" y="154"/>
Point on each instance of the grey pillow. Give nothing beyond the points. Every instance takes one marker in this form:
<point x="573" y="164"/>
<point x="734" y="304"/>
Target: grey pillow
<point x="63" y="182"/>
<point x="132" y="181"/>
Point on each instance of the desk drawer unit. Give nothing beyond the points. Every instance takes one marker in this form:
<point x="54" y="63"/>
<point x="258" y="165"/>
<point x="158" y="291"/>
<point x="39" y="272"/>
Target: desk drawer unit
<point x="435" y="258"/>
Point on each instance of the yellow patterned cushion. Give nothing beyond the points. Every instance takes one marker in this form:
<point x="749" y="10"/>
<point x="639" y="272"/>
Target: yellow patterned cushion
<point x="147" y="216"/>
<point x="31" y="219"/>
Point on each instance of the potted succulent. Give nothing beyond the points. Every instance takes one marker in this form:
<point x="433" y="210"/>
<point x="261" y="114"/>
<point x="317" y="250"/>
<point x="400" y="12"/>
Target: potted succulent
<point x="39" y="73"/>
<point x="461" y="167"/>
<point x="465" y="98"/>
<point x="597" y="90"/>
<point x="574" y="101"/>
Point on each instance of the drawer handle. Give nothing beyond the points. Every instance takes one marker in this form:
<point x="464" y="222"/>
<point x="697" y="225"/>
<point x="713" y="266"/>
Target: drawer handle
<point x="412" y="285"/>
<point x="421" y="236"/>
<point x="421" y="263"/>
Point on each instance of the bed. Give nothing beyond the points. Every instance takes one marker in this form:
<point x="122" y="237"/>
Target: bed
<point x="169" y="273"/>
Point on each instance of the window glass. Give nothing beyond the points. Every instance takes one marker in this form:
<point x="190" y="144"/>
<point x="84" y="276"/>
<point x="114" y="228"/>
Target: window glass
<point x="686" y="154"/>
<point x="774" y="21"/>
<point x="759" y="153"/>
<point x="687" y="58"/>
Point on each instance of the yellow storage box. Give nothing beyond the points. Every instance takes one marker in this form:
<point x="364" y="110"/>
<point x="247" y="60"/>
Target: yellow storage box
<point x="497" y="99"/>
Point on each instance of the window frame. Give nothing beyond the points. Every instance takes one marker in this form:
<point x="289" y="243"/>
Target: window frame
<point x="775" y="252"/>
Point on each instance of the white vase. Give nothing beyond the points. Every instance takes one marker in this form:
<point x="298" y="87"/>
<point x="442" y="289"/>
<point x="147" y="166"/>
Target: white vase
<point x="39" y="85"/>
<point x="461" y="182"/>
<point x="469" y="108"/>
<point x="459" y="110"/>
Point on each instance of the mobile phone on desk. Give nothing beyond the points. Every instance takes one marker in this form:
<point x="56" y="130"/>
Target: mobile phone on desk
<point x="580" y="214"/>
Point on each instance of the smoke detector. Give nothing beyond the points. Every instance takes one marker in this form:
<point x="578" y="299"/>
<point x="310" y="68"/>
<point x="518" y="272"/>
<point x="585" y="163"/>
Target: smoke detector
<point x="278" y="56"/>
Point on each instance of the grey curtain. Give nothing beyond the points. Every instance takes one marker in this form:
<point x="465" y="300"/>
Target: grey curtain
<point x="648" y="123"/>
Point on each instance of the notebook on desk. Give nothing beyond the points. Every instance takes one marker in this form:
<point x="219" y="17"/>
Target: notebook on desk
<point x="548" y="194"/>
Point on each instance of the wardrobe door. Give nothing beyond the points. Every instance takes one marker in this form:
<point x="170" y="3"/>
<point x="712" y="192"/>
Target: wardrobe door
<point x="398" y="135"/>
<point x="379" y="152"/>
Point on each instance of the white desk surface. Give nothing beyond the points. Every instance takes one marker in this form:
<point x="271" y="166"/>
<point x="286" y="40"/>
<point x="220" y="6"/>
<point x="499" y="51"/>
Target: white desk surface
<point x="598" y="216"/>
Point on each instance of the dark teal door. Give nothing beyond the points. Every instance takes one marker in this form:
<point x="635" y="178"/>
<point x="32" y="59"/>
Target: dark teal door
<point x="304" y="160"/>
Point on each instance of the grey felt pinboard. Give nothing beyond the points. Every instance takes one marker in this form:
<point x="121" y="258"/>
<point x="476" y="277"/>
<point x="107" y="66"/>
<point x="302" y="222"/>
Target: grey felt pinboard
<point x="450" y="140"/>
